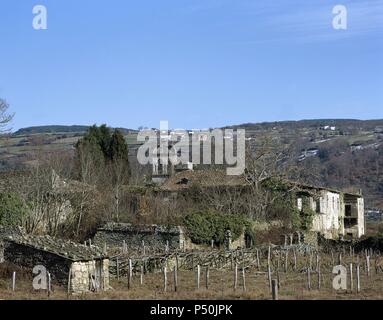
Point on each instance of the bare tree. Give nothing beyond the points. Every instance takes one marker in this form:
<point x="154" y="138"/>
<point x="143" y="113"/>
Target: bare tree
<point x="5" y="117"/>
<point x="265" y="161"/>
<point x="119" y="176"/>
<point x="44" y="191"/>
<point x="91" y="170"/>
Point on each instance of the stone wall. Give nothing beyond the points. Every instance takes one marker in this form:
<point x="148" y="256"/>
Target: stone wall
<point x="153" y="237"/>
<point x="310" y="238"/>
<point x="30" y="257"/>
<point x="59" y="267"/>
<point x="239" y="243"/>
<point x="89" y="275"/>
<point x="187" y="244"/>
<point x="327" y="220"/>
<point x="1" y="251"/>
<point x="133" y="236"/>
<point x="361" y="221"/>
<point x="5" y="233"/>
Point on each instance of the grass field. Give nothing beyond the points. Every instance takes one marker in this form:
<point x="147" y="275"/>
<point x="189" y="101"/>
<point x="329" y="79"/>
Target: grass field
<point x="293" y="285"/>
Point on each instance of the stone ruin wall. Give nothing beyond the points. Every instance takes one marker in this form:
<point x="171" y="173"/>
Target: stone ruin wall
<point x="2" y="251"/>
<point x="133" y="239"/>
<point x="187" y="244"/>
<point x="80" y="280"/>
<point x="29" y="257"/>
<point x="239" y="243"/>
<point x="58" y="267"/>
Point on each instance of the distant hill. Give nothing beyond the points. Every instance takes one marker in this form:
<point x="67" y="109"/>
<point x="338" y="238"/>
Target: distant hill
<point x="50" y="129"/>
<point x="59" y="129"/>
<point x="343" y="124"/>
<point x="341" y="153"/>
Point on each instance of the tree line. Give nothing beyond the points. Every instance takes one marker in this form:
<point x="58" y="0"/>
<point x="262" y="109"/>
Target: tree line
<point x="67" y="194"/>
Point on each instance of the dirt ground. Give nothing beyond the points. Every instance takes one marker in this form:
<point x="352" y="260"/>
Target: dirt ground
<point x="293" y="286"/>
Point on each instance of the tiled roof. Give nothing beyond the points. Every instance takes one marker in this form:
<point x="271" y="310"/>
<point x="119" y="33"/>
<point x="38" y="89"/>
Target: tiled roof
<point x="218" y="178"/>
<point x="204" y="178"/>
<point x="307" y="187"/>
<point x="127" y="227"/>
<point x="63" y="248"/>
<point x="6" y="232"/>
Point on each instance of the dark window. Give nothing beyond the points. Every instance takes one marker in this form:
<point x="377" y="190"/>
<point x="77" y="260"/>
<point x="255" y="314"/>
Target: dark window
<point x="318" y="206"/>
<point x="348" y="210"/>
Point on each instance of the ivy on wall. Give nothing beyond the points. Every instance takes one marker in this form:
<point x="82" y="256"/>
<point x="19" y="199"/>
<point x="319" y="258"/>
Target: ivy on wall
<point x="286" y="208"/>
<point x="304" y="218"/>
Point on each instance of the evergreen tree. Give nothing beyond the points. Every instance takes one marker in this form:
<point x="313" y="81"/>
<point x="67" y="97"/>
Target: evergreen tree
<point x="118" y="148"/>
<point x="118" y="154"/>
<point x="111" y="146"/>
<point x="100" y="136"/>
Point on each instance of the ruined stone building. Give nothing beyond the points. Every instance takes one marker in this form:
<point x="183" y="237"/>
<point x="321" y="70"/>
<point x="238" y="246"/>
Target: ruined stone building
<point x="5" y="233"/>
<point x="115" y="234"/>
<point x="337" y="214"/>
<point x="78" y="267"/>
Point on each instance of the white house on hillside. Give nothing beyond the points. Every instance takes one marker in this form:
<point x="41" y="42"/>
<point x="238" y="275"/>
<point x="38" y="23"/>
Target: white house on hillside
<point x="337" y="215"/>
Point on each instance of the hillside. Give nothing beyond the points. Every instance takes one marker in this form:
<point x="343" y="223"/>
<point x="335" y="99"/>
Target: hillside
<point x="50" y="129"/>
<point x="55" y="129"/>
<point x="345" y="154"/>
<point x="338" y="153"/>
<point x="315" y="123"/>
<point x="22" y="147"/>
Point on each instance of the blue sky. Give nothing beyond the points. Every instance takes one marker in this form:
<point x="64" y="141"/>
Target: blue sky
<point x="195" y="63"/>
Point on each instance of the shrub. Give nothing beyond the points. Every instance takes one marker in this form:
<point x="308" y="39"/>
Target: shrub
<point x="374" y="242"/>
<point x="202" y="227"/>
<point x="307" y="216"/>
<point x="296" y="219"/>
<point x="12" y="209"/>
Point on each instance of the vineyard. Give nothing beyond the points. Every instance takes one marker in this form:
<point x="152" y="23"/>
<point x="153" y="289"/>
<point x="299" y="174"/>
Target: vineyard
<point x="293" y="272"/>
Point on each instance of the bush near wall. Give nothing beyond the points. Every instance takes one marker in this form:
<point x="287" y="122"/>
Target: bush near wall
<point x="204" y="226"/>
<point x="375" y="243"/>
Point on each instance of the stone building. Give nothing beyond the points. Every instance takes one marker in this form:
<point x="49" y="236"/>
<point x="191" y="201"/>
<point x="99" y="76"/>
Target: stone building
<point x="337" y="214"/>
<point x="154" y="236"/>
<point x="6" y="232"/>
<point x="115" y="235"/>
<point x="81" y="267"/>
